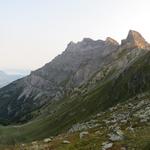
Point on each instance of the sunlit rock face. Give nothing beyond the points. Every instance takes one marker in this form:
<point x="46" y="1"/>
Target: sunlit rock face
<point x="110" y="40"/>
<point x="134" y="40"/>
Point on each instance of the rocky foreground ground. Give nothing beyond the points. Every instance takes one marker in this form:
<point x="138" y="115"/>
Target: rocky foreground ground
<point x="123" y="127"/>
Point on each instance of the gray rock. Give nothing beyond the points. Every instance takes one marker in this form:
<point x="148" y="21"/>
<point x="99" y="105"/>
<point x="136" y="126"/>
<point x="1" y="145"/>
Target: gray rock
<point x="115" y="137"/>
<point x="83" y="134"/>
<point x="97" y="132"/>
<point x="106" y="145"/>
<point x="66" y="142"/>
<point x="118" y="136"/>
<point x="47" y="140"/>
<point x="130" y="129"/>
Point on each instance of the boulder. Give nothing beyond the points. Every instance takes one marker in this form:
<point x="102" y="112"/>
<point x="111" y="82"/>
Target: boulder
<point x="106" y="145"/>
<point x="34" y="142"/>
<point x="115" y="137"/>
<point x="119" y="132"/>
<point x="83" y="134"/>
<point x="47" y="140"/>
<point x="97" y="132"/>
<point x="130" y="129"/>
<point x="66" y="142"/>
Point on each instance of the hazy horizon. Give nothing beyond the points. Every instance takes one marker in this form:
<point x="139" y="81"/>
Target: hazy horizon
<point x="23" y="72"/>
<point x="33" y="32"/>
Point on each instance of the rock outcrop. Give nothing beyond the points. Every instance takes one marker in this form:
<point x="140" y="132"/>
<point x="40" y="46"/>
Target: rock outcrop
<point x="134" y="40"/>
<point x="110" y="40"/>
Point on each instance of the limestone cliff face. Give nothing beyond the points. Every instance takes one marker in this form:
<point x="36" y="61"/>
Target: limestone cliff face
<point x="134" y="40"/>
<point x="77" y="63"/>
<point x="110" y="40"/>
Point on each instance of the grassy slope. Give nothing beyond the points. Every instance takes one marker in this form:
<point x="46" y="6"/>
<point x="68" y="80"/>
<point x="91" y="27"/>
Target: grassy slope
<point x="140" y="139"/>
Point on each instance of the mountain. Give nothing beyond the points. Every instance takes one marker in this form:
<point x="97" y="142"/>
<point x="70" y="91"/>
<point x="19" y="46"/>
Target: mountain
<point x="5" y="79"/>
<point x="88" y="78"/>
<point x="74" y="67"/>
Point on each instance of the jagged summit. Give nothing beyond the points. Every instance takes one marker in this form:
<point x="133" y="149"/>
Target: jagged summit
<point x="134" y="36"/>
<point x="110" y="40"/>
<point x="134" y="40"/>
<point x="88" y="43"/>
<point x="87" y="40"/>
<point x="85" y="44"/>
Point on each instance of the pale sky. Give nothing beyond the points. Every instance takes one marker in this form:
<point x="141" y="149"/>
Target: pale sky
<point x="32" y="32"/>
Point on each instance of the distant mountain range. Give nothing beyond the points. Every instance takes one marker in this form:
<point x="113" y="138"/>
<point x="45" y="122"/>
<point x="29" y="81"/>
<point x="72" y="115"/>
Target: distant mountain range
<point x="5" y="79"/>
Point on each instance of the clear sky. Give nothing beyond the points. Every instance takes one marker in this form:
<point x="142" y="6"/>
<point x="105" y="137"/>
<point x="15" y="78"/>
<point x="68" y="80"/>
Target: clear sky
<point x="32" y="32"/>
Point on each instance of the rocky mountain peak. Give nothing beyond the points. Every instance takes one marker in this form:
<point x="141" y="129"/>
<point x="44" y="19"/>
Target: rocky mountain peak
<point x="135" y="36"/>
<point x="110" y="40"/>
<point x="84" y="45"/>
<point x="86" y="40"/>
<point x="134" y="40"/>
<point x="71" y="45"/>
